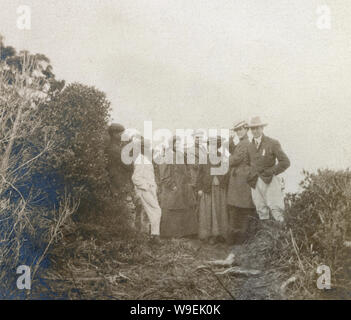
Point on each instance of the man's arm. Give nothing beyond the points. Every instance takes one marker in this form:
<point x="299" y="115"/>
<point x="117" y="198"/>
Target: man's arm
<point x="231" y="145"/>
<point x="138" y="177"/>
<point x="283" y="160"/>
<point x="165" y="175"/>
<point x="238" y="156"/>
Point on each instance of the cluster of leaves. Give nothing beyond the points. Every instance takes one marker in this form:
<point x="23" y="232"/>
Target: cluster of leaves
<point x="40" y="70"/>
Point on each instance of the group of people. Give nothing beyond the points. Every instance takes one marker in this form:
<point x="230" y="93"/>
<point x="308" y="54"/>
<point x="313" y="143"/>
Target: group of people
<point x="187" y="200"/>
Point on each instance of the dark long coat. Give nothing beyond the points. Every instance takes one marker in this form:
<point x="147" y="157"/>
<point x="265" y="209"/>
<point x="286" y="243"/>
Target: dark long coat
<point x="119" y="173"/>
<point x="176" y="175"/>
<point x="239" y="191"/>
<point x="179" y="217"/>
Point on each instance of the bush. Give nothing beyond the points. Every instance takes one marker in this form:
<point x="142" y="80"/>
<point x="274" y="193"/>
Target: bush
<point x="78" y="116"/>
<point x="318" y="220"/>
<point x="52" y="159"/>
<point x="31" y="217"/>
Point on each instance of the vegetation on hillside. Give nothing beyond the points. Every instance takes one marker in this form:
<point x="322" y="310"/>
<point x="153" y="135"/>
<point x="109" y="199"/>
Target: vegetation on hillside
<point x="58" y="214"/>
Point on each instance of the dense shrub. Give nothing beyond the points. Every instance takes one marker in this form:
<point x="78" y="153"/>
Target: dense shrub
<point x="78" y="116"/>
<point x="52" y="159"/>
<point x="318" y="224"/>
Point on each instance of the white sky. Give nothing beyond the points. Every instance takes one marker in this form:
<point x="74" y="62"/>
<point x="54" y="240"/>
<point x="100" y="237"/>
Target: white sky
<point x="207" y="64"/>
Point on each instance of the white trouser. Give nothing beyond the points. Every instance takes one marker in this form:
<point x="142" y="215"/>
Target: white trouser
<point x="269" y="198"/>
<point x="151" y="206"/>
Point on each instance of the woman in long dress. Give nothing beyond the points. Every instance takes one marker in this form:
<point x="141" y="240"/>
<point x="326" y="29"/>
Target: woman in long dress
<point x="213" y="217"/>
<point x="177" y="198"/>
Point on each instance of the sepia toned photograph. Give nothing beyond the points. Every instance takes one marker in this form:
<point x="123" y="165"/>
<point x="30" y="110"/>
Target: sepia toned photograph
<point x="192" y="151"/>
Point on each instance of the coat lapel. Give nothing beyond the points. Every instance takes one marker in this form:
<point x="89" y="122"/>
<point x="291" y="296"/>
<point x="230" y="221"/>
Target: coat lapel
<point x="261" y="146"/>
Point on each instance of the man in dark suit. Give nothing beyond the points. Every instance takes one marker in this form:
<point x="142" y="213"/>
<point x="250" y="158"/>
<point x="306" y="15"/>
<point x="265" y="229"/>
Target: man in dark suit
<point x="240" y="205"/>
<point x="120" y="173"/>
<point x="267" y="161"/>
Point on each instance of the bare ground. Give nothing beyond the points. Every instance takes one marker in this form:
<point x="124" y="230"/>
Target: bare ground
<point x="94" y="262"/>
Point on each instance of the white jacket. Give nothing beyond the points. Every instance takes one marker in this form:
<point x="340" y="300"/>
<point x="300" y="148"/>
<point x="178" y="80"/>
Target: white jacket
<point x="143" y="176"/>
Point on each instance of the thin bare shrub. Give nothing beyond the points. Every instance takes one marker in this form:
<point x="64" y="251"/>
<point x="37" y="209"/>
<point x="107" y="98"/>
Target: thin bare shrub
<point x="26" y="229"/>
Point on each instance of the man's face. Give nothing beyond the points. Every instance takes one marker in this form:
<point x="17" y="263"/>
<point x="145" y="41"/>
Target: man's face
<point x="241" y="132"/>
<point x="257" y="131"/>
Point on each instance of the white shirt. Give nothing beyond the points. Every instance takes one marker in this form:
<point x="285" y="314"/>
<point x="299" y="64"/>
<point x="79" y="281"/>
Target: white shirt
<point x="143" y="176"/>
<point x="258" y="141"/>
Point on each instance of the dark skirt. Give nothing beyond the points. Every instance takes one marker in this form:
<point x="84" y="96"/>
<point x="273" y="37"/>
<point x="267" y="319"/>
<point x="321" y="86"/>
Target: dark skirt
<point x="178" y="223"/>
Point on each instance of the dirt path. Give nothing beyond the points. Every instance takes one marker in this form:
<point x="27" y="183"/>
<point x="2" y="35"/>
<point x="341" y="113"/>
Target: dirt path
<point x="108" y="267"/>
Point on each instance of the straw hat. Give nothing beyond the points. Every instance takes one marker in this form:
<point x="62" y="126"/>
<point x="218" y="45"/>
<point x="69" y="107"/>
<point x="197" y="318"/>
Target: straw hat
<point x="240" y="125"/>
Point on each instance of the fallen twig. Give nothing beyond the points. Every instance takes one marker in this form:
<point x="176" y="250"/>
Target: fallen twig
<point x="219" y="280"/>
<point x="296" y="251"/>
<point x="227" y="262"/>
<point x="241" y="271"/>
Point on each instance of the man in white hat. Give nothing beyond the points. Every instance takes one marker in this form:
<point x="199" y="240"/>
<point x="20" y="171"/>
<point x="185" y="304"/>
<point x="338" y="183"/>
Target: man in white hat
<point x="267" y="161"/>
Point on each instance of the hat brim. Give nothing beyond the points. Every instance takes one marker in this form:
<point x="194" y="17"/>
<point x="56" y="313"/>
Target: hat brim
<point x="240" y="127"/>
<point x="258" y="125"/>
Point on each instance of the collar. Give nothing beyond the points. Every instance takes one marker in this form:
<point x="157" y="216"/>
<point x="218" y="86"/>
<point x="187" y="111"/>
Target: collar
<point x="258" y="140"/>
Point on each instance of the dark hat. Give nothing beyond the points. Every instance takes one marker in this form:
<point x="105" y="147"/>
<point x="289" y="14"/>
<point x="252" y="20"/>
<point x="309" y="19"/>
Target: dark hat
<point x="115" y="128"/>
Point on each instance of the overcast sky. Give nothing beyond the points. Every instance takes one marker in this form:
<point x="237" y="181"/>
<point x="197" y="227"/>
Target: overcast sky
<point x="207" y="64"/>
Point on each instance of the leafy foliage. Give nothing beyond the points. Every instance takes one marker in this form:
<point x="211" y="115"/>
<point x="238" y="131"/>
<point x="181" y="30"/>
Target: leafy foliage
<point x="38" y="70"/>
<point x="79" y="116"/>
<point x="319" y="223"/>
<point x="52" y="143"/>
